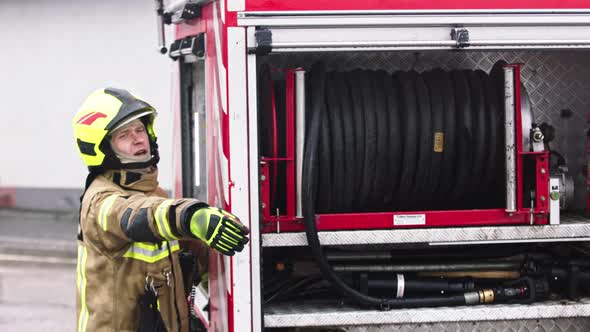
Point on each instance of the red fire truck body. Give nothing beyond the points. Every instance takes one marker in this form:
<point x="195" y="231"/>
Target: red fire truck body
<point x="220" y="47"/>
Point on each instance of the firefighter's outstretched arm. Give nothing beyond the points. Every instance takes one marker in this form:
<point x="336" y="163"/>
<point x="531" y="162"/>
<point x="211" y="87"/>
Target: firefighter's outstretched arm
<point x="138" y="218"/>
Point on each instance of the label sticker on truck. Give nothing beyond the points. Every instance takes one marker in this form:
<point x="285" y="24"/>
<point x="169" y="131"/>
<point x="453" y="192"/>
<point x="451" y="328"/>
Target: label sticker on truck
<point x="409" y="219"/>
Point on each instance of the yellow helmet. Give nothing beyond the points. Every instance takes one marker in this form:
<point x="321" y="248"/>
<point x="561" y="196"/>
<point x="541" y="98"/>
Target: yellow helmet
<point x="102" y="112"/>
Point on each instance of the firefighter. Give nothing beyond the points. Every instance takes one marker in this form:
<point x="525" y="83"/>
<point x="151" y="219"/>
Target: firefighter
<point x="128" y="274"/>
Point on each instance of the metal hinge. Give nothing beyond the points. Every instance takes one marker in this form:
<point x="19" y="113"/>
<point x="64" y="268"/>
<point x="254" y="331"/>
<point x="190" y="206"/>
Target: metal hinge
<point x="461" y="36"/>
<point x="263" y="38"/>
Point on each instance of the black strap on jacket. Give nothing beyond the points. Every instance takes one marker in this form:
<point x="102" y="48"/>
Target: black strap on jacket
<point x="150" y="319"/>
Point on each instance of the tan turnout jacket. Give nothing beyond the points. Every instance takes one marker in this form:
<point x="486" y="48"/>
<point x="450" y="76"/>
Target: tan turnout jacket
<point x="130" y="240"/>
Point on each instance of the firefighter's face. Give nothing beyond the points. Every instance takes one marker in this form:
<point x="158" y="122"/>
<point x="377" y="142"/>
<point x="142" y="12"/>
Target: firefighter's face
<point x="131" y="141"/>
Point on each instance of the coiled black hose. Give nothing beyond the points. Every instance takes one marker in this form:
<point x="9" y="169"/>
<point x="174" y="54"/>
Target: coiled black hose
<point x="464" y="137"/>
<point x="310" y="179"/>
<point x="407" y="141"/>
<point x="432" y="80"/>
<point x="449" y="141"/>
<point x="480" y="143"/>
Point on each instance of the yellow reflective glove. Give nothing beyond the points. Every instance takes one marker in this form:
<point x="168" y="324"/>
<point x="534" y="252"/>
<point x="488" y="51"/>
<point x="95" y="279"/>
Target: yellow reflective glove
<point x="220" y="229"/>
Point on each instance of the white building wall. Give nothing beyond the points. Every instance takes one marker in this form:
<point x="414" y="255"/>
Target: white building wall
<point x="52" y="55"/>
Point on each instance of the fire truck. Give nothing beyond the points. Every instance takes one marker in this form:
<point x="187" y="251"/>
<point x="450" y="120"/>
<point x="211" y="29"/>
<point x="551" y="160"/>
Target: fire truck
<point x="402" y="165"/>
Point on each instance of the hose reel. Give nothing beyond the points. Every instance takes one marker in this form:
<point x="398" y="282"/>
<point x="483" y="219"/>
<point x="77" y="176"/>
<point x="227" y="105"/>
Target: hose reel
<point x="408" y="141"/>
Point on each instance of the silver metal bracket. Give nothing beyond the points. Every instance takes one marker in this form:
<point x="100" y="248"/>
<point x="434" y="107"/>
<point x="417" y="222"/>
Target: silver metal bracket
<point x="461" y="36"/>
<point x="536" y="139"/>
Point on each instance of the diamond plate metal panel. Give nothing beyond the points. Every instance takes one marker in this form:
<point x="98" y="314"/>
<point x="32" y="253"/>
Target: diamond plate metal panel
<point x="549" y="316"/>
<point x="572" y="228"/>
<point x="555" y="80"/>
<point x="542" y="325"/>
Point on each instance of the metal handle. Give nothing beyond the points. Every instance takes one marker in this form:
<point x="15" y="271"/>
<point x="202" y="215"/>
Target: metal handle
<point x="510" y="148"/>
<point x="161" y="33"/>
<point x="299" y="133"/>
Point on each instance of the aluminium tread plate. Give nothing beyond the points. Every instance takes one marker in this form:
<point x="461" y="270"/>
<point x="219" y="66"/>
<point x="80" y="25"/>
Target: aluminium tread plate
<point x="572" y="228"/>
<point x="306" y="315"/>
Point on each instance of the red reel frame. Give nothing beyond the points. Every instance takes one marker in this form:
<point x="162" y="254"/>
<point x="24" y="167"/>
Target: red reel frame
<point x="288" y="222"/>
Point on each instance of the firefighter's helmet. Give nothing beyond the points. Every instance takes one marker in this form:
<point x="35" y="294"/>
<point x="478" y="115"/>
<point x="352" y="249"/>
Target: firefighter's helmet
<point x="101" y="113"/>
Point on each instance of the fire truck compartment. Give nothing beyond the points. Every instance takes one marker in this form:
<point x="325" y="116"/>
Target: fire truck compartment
<point x="556" y="83"/>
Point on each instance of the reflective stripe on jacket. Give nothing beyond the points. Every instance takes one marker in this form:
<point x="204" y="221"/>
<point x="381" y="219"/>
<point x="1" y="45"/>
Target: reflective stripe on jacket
<point x="130" y="233"/>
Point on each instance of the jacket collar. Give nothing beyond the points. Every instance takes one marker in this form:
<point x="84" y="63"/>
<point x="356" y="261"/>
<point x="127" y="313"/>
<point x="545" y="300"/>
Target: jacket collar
<point x="145" y="180"/>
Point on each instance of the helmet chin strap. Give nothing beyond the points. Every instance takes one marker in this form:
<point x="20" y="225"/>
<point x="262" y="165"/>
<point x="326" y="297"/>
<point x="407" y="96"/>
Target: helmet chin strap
<point x="140" y="165"/>
<point x="136" y="162"/>
<point x="126" y="158"/>
<point x="129" y="159"/>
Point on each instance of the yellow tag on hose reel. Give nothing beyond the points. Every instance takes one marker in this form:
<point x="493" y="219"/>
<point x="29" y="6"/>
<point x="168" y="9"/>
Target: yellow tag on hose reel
<point x="439" y="142"/>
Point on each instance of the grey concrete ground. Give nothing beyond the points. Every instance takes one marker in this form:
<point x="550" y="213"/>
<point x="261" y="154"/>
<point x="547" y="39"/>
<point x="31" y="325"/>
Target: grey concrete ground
<point x="37" y="297"/>
<point x="37" y="271"/>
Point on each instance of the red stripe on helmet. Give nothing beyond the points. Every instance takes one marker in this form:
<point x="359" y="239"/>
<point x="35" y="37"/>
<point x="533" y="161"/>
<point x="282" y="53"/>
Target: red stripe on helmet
<point x="82" y="118"/>
<point x="89" y="118"/>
